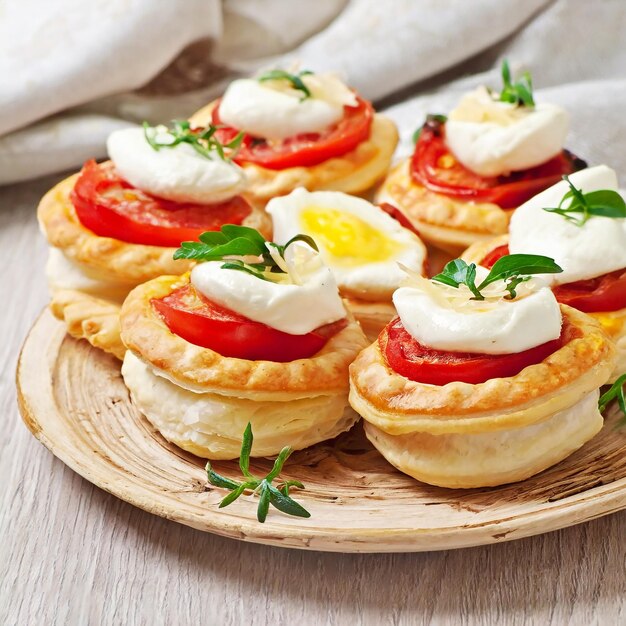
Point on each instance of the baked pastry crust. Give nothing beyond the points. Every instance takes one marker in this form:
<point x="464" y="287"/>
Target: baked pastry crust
<point x="444" y="222"/>
<point x="353" y="172"/>
<point x="202" y="370"/>
<point x="398" y="405"/>
<point x="90" y="318"/>
<point x="480" y="249"/>
<point x="372" y="316"/>
<point x="119" y="260"/>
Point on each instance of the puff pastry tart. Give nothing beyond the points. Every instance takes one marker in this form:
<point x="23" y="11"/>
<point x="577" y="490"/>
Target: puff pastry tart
<point x="483" y="379"/>
<point x="257" y="333"/>
<point x="581" y="222"/>
<point x="116" y="224"/>
<point x="469" y="170"/>
<point x="302" y="130"/>
<point x="360" y="242"/>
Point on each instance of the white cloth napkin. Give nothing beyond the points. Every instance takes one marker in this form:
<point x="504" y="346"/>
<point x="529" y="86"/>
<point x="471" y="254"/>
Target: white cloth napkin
<point x="71" y="71"/>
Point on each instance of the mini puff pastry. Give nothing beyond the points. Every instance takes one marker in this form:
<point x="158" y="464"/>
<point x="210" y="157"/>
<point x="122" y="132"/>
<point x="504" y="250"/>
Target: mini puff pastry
<point x="613" y="322"/>
<point x="201" y="401"/>
<point x="354" y="172"/>
<point x="503" y="430"/>
<point x="98" y="272"/>
<point x="444" y="222"/>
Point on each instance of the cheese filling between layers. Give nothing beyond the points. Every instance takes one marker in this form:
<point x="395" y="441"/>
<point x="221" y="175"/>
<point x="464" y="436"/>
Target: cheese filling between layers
<point x="296" y="302"/>
<point x="359" y="241"/>
<point x="493" y="138"/>
<point x="179" y="174"/>
<point x="274" y="110"/>
<point x="446" y="318"/>
<point x="593" y="249"/>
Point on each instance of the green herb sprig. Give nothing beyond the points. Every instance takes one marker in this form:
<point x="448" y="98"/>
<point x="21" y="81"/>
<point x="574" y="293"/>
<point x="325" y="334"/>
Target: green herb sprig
<point x="513" y="269"/>
<point x="519" y="93"/>
<point x="277" y="496"/>
<point x="295" y="80"/>
<point x="203" y="141"/>
<point x="616" y="391"/>
<point x="582" y="206"/>
<point x="234" y="241"/>
<point x="434" y="120"/>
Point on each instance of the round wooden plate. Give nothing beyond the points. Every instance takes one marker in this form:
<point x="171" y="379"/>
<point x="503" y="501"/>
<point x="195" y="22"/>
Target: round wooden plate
<point x="74" y="401"/>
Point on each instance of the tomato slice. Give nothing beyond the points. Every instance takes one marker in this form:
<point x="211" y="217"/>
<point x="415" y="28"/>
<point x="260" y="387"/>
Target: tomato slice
<point x="595" y="295"/>
<point x="306" y="149"/>
<point x="417" y="362"/>
<point x="110" y="207"/>
<point x="436" y="168"/>
<point x="204" y="323"/>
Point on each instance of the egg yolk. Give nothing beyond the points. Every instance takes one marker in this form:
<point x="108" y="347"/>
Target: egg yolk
<point x="348" y="238"/>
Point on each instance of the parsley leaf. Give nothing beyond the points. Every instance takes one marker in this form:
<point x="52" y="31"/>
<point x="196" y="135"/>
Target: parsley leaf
<point x="295" y="80"/>
<point x="519" y="93"/>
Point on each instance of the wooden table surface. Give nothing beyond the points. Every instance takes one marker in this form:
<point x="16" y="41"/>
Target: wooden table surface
<point x="73" y="554"/>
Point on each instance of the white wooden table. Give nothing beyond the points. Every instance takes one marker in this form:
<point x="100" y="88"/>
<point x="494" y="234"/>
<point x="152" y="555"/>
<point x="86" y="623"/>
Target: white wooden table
<point x="72" y="554"/>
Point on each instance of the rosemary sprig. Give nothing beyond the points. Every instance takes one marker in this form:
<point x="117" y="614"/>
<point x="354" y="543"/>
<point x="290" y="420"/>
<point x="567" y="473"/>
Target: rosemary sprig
<point x="582" y="206"/>
<point x="434" y="120"/>
<point x="239" y="241"/>
<point x="277" y="496"/>
<point x="519" y="93"/>
<point x="615" y="391"/>
<point x="203" y="141"/>
<point x="295" y="80"/>
<point x="513" y="269"/>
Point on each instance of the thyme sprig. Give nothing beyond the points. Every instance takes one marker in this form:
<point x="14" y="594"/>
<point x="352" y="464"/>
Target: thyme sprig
<point x="203" y="141"/>
<point x="519" y="93"/>
<point x="239" y="241"/>
<point x="615" y="392"/>
<point x="278" y="496"/>
<point x="513" y="269"/>
<point x="582" y="206"/>
<point x="295" y="80"/>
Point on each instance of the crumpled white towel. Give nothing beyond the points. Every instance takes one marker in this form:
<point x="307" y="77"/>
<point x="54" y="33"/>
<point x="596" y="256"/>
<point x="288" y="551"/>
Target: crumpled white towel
<point x="84" y="62"/>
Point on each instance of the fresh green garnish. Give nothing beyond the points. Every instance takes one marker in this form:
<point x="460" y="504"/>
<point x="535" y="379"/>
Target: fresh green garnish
<point x="615" y="391"/>
<point x="432" y="119"/>
<point x="235" y="241"/>
<point x="513" y="269"/>
<point x="519" y="93"/>
<point x="582" y="206"/>
<point x="295" y="80"/>
<point x="277" y="496"/>
<point x="203" y="141"/>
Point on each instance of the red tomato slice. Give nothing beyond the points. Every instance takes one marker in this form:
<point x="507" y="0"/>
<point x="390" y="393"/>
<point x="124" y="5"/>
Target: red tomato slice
<point x="414" y="361"/>
<point x="306" y="149"/>
<point x="436" y="168"/>
<point x="595" y="295"/>
<point x="204" y="323"/>
<point x="110" y="207"/>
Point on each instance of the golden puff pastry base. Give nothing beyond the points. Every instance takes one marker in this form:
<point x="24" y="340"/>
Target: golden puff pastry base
<point x="210" y="425"/>
<point x="118" y="260"/>
<point x="202" y="370"/>
<point x="505" y="429"/>
<point x="372" y="316"/>
<point x="87" y="317"/>
<point x="444" y="222"/>
<point x="480" y="249"/>
<point x="354" y="172"/>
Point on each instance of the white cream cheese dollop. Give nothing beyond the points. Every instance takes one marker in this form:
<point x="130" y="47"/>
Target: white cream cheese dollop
<point x="446" y="318"/>
<point x="492" y="138"/>
<point x="179" y="174"/>
<point x="359" y="241"/>
<point x="596" y="248"/>
<point x="273" y="110"/>
<point x="304" y="299"/>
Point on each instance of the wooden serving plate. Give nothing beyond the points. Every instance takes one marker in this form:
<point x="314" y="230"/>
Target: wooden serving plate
<point x="74" y="401"/>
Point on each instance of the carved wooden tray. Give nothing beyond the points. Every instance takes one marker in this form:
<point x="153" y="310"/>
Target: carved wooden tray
<point x="73" y="399"/>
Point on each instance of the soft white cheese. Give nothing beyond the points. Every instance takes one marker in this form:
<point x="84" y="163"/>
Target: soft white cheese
<point x="446" y="318"/>
<point x="179" y="174"/>
<point x="359" y="241"/>
<point x="596" y="248"/>
<point x="304" y="299"/>
<point x="492" y="138"/>
<point x="274" y="111"/>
